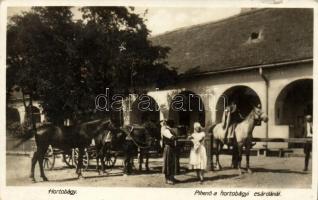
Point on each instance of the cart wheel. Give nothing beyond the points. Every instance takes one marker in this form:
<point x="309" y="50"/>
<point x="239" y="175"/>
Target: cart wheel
<point x="49" y="159"/>
<point x="85" y="158"/>
<point x="110" y="159"/>
<point x="68" y="159"/>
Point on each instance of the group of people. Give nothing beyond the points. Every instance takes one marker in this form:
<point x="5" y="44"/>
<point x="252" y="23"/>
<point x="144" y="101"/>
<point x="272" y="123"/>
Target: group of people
<point x="198" y="157"/>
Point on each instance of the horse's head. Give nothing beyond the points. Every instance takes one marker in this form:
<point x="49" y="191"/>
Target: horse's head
<point x="105" y="130"/>
<point x="259" y="115"/>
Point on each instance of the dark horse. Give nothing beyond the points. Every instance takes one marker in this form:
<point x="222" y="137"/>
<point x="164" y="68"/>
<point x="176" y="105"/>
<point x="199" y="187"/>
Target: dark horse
<point x="104" y="146"/>
<point x="64" y="138"/>
<point x="130" y="139"/>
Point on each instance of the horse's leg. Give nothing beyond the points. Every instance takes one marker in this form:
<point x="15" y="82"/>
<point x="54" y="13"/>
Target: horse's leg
<point x="97" y="160"/>
<point x="217" y="155"/>
<point x="125" y="164"/>
<point x="147" y="160"/>
<point x="80" y="162"/>
<point x="234" y="156"/>
<point x="247" y="149"/>
<point x="214" y="152"/>
<point x="233" y="164"/>
<point x="102" y="157"/>
<point x="127" y="160"/>
<point x="41" y="154"/>
<point x="140" y="159"/>
<point x="212" y="163"/>
<point x="239" y="157"/>
<point x="217" y="161"/>
<point x="131" y="163"/>
<point x="128" y="164"/>
<point x="219" y="152"/>
<point x="33" y="163"/>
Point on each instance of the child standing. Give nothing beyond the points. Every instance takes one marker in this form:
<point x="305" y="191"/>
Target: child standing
<point x="198" y="158"/>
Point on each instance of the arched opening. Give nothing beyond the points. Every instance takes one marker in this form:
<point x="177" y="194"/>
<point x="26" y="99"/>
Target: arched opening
<point x="35" y="113"/>
<point x="292" y="104"/>
<point x="13" y="122"/>
<point x="244" y="97"/>
<point x="144" y="109"/>
<point x="185" y="109"/>
<point x="13" y="115"/>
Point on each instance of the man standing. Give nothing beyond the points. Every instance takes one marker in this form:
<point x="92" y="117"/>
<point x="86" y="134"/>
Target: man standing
<point x="169" y="152"/>
<point x="307" y="132"/>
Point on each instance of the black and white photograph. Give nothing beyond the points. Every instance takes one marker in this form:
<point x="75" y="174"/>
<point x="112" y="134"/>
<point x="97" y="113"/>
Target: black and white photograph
<point x="140" y="96"/>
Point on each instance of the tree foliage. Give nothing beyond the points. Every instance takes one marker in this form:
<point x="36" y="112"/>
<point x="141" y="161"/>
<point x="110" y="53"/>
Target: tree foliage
<point x="65" y="63"/>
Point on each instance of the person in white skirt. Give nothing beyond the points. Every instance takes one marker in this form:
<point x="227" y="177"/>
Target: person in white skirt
<point x="198" y="158"/>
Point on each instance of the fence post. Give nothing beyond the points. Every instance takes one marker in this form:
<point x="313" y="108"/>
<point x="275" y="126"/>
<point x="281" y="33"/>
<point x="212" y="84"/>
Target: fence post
<point x="208" y="145"/>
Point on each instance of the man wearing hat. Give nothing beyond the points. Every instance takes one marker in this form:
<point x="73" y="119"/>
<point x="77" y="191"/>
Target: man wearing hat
<point x="307" y="133"/>
<point x="169" y="152"/>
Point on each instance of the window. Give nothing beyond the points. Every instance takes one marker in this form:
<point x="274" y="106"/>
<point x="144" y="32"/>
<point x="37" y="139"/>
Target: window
<point x="254" y="36"/>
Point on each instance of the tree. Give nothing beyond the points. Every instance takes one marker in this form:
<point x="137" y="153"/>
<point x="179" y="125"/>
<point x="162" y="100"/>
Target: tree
<point x="40" y="56"/>
<point x="115" y="44"/>
<point x="65" y="63"/>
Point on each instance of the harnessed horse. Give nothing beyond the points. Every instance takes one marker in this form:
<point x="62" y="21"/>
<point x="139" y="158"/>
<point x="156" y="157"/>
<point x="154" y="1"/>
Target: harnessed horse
<point x="65" y="138"/>
<point x="129" y="139"/>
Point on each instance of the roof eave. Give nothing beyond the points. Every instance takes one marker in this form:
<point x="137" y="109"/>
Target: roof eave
<point x="246" y="68"/>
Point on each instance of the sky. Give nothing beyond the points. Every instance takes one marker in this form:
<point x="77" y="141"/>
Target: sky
<point x="164" y="19"/>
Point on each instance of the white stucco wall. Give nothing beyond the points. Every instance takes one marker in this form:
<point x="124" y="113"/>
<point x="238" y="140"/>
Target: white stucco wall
<point x="210" y="88"/>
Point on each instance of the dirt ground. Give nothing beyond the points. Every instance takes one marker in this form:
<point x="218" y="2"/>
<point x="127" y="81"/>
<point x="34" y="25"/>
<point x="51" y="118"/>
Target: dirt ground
<point x="268" y="172"/>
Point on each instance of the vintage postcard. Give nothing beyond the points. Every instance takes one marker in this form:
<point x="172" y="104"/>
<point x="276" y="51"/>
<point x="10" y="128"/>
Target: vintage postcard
<point x="177" y="100"/>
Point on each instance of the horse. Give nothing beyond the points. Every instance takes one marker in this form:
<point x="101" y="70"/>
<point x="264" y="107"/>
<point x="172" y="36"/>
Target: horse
<point x="64" y="138"/>
<point x="152" y="140"/>
<point x="102" y="143"/>
<point x="245" y="129"/>
<point x="129" y="139"/>
<point x="244" y="134"/>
